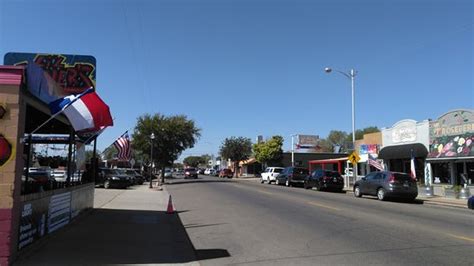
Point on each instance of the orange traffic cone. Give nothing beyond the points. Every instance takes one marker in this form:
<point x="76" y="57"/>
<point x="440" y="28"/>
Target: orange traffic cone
<point x="170" y="209"/>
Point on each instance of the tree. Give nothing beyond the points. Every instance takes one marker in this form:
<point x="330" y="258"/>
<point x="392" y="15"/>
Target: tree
<point x="325" y="145"/>
<point x="359" y="134"/>
<point x="338" y="138"/>
<point x="193" y="161"/>
<point x="269" y="152"/>
<point x="236" y="149"/>
<point x="173" y="135"/>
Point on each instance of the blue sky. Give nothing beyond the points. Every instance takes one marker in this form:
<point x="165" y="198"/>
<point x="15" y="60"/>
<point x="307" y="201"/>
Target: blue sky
<point x="248" y="68"/>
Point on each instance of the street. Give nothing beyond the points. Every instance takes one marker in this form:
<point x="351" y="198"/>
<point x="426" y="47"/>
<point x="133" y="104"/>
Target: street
<point x="261" y="224"/>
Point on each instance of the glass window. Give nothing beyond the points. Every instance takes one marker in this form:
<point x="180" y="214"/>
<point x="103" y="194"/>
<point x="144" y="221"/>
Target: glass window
<point x="277" y="170"/>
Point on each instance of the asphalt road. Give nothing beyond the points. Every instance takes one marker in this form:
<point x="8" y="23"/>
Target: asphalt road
<point x="260" y="224"/>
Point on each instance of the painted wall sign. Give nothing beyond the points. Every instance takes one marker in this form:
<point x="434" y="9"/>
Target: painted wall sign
<point x="5" y="150"/>
<point x="404" y="131"/>
<point x="50" y="76"/>
<point x="307" y="141"/>
<point x="368" y="149"/>
<point x="452" y="135"/>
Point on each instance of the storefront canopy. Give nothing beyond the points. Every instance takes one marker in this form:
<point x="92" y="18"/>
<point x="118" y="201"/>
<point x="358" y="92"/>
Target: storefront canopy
<point x="403" y="151"/>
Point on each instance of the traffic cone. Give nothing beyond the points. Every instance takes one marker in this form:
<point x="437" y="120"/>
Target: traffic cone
<point x="170" y="209"/>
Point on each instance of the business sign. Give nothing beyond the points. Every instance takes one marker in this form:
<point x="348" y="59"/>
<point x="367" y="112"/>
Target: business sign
<point x="452" y="135"/>
<point x="307" y="141"/>
<point x="368" y="149"/>
<point x="404" y="131"/>
<point x="51" y="76"/>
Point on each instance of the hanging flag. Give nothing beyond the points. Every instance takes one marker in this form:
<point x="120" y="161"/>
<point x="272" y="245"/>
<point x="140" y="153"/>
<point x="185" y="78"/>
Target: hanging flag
<point x="85" y="111"/>
<point x="412" y="166"/>
<point x="373" y="162"/>
<point x="124" y="150"/>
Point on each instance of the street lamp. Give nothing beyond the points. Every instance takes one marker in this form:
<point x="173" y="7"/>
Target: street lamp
<point x="152" y="137"/>
<point x="293" y="150"/>
<point x="351" y="75"/>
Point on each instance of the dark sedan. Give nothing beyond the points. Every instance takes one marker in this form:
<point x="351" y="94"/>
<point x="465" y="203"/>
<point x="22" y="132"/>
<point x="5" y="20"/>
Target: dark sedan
<point x="109" y="178"/>
<point x="292" y="176"/>
<point x="324" y="180"/>
<point x="387" y="184"/>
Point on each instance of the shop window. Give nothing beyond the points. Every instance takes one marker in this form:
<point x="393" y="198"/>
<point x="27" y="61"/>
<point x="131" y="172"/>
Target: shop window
<point x="441" y="173"/>
<point x="470" y="173"/>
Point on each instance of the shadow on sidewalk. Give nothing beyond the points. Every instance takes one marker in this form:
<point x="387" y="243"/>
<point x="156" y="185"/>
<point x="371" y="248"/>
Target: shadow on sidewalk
<point x="108" y="236"/>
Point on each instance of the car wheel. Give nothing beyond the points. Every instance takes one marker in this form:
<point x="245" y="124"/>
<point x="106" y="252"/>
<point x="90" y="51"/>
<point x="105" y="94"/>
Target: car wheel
<point x="106" y="184"/>
<point x="318" y="187"/>
<point x="287" y="183"/>
<point x="357" y="192"/>
<point x="381" y="194"/>
<point x="276" y="182"/>
<point x="262" y="181"/>
<point x="306" y="186"/>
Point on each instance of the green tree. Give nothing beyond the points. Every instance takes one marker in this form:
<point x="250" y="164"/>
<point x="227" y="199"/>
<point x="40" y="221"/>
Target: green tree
<point x="193" y="161"/>
<point x="270" y="152"/>
<point x="338" y="138"/>
<point x="205" y="160"/>
<point x="236" y="149"/>
<point x="361" y="132"/>
<point x="326" y="146"/>
<point x="173" y="135"/>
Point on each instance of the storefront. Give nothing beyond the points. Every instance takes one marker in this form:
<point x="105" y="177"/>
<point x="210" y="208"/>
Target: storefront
<point x="368" y="146"/>
<point x="451" y="153"/>
<point x="406" y="139"/>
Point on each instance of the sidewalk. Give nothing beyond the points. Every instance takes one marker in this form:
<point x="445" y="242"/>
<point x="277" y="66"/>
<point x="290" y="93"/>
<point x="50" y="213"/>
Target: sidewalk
<point x="126" y="227"/>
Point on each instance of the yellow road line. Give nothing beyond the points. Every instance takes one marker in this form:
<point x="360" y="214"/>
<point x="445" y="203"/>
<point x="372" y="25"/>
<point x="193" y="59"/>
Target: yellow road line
<point x="323" y="206"/>
<point x="462" y="237"/>
<point x="265" y="192"/>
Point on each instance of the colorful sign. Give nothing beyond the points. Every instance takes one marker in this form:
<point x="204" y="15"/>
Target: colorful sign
<point x="368" y="149"/>
<point x="452" y="135"/>
<point x="51" y="76"/>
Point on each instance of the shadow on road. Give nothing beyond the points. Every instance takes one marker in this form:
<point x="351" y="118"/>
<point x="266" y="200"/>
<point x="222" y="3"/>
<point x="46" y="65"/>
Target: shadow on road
<point x="108" y="236"/>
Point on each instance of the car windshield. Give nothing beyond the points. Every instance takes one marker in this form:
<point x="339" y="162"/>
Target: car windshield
<point x="300" y="171"/>
<point x="111" y="172"/>
<point x="131" y="172"/>
<point x="277" y="170"/>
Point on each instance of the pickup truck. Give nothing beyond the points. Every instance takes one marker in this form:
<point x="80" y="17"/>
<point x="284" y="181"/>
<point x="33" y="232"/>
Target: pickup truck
<point x="270" y="174"/>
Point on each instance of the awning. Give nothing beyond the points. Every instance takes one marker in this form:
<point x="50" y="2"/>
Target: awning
<point x="328" y="161"/>
<point x="403" y="151"/>
<point x="249" y="161"/>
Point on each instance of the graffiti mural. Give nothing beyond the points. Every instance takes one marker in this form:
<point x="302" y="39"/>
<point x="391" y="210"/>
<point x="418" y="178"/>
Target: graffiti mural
<point x="51" y="76"/>
<point x="5" y="150"/>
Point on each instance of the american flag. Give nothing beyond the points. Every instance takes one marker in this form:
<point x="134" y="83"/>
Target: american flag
<point x="124" y="151"/>
<point x="373" y="162"/>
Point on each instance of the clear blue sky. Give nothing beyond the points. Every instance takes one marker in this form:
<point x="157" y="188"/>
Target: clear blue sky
<point x="248" y="68"/>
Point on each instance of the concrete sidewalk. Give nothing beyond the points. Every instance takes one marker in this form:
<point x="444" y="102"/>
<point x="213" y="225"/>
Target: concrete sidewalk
<point x="127" y="226"/>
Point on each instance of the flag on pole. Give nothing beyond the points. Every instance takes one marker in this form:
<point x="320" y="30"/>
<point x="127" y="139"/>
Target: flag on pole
<point x="85" y="111"/>
<point x="373" y="162"/>
<point x="412" y="166"/>
<point x="124" y="150"/>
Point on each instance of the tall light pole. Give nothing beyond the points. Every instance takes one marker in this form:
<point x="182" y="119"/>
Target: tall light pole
<point x="293" y="150"/>
<point x="351" y="75"/>
<point x="152" y="137"/>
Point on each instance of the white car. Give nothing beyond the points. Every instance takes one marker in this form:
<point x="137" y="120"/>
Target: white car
<point x="270" y="174"/>
<point x="210" y="171"/>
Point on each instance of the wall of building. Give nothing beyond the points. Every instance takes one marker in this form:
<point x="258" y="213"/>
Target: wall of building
<point x="11" y="161"/>
<point x="304" y="158"/>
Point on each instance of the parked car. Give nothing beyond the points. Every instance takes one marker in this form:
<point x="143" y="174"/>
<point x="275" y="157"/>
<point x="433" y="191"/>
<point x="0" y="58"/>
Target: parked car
<point x="109" y="178"/>
<point x="291" y="176"/>
<point x="200" y="171"/>
<point x="270" y="174"/>
<point x="226" y="172"/>
<point x="209" y="171"/>
<point x="59" y="175"/>
<point x="138" y="179"/>
<point x="190" y="173"/>
<point x="39" y="179"/>
<point x="324" y="180"/>
<point x="387" y="184"/>
<point x="168" y="173"/>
